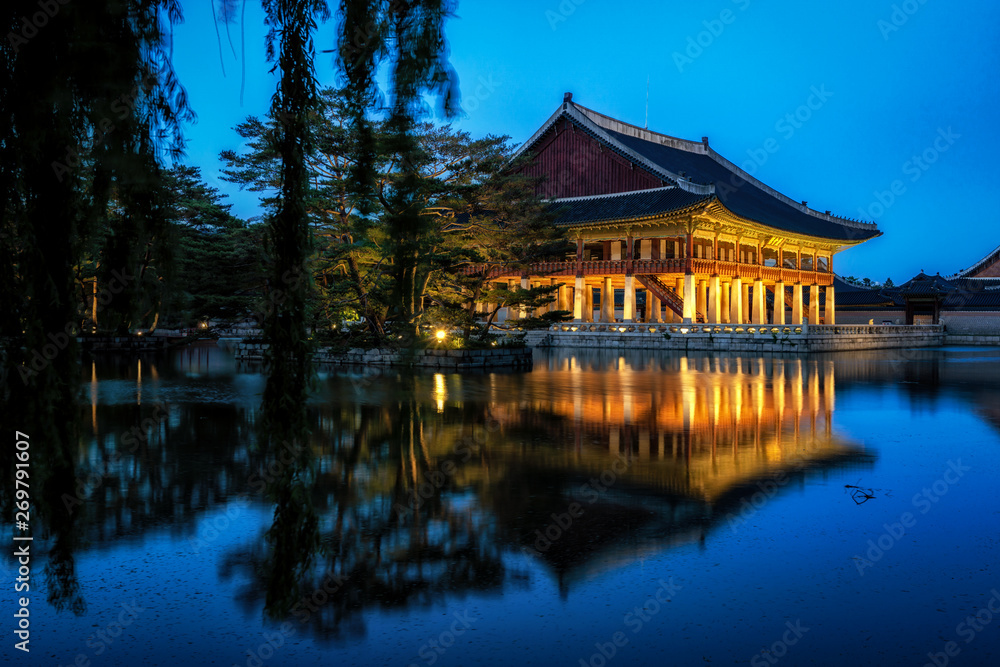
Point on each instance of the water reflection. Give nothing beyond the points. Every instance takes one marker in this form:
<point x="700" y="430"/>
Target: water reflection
<point x="428" y="487"/>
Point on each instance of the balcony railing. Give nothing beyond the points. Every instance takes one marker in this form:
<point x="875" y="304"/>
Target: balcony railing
<point x="747" y="329"/>
<point x="614" y="267"/>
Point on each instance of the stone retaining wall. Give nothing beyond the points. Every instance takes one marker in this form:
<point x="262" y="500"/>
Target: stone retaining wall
<point x="969" y="339"/>
<point x="123" y="343"/>
<point x="518" y="358"/>
<point x="722" y="342"/>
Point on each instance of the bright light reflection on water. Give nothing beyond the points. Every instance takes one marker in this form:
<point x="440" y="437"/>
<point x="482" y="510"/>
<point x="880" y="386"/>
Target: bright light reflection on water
<point x="825" y="509"/>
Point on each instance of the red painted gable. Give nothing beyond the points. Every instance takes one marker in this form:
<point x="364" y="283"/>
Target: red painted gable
<point x="577" y="165"/>
<point x="989" y="271"/>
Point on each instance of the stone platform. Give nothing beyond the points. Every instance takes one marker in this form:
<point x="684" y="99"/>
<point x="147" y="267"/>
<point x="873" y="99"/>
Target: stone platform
<point x="737" y="338"/>
<point x="517" y="358"/>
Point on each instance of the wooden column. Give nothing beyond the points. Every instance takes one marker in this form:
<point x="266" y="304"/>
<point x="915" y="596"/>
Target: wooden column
<point x="689" y="253"/>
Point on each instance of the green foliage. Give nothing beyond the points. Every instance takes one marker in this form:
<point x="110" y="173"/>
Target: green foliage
<point x="473" y="209"/>
<point x="89" y="104"/>
<point x="217" y="267"/>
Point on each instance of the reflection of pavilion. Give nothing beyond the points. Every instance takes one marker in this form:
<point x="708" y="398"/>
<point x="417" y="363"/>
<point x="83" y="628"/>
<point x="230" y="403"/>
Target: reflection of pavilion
<point x="691" y="443"/>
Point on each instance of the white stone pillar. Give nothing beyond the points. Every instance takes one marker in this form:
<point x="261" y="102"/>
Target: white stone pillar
<point x="797" y="304"/>
<point x="525" y="284"/>
<point x="578" y="299"/>
<point x="714" y="300"/>
<point x="607" y="301"/>
<point x="746" y="303"/>
<point x="541" y="310"/>
<point x="779" y="303"/>
<point x="588" y="303"/>
<point x="830" y="316"/>
<point x="814" y="304"/>
<point x="628" y="315"/>
<point x="724" y="304"/>
<point x="679" y="289"/>
<point x="689" y="299"/>
<point x="652" y="307"/>
<point x="702" y="303"/>
<point x="736" y="301"/>
<point x="759" y="304"/>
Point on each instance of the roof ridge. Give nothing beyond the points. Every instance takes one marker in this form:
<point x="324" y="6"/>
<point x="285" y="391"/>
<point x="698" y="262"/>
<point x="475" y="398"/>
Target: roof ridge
<point x="676" y="142"/>
<point x="615" y="194"/>
<point x="703" y="148"/>
<point x="975" y="266"/>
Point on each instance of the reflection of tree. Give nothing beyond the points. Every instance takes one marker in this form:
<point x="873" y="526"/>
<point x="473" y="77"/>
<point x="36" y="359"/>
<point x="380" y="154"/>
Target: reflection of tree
<point x="397" y="527"/>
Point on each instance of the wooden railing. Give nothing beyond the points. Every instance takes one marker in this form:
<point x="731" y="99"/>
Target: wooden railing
<point x="616" y="267"/>
<point x="749" y="329"/>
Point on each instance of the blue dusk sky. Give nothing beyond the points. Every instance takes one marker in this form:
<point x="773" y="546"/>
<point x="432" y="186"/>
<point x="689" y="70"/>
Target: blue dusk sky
<point x="884" y="111"/>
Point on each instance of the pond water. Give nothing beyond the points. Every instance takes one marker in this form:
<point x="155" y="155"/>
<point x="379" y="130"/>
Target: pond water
<point x="628" y="508"/>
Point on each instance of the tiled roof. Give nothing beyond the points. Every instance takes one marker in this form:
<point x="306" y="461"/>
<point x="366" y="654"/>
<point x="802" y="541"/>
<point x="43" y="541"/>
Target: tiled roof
<point x="984" y="263"/>
<point x="976" y="283"/>
<point x="698" y="169"/>
<point x="740" y="196"/>
<point x="962" y="299"/>
<point x="925" y="285"/>
<point x="642" y="203"/>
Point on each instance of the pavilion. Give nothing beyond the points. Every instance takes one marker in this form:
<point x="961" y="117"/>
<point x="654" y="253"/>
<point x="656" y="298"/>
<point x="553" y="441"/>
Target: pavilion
<point x="703" y="239"/>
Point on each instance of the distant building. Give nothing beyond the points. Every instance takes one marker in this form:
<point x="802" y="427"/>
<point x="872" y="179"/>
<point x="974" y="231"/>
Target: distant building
<point x="698" y="238"/>
<point x="966" y="302"/>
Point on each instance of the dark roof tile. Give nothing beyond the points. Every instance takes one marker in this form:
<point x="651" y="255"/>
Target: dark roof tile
<point x="739" y="196"/>
<point x="642" y="203"/>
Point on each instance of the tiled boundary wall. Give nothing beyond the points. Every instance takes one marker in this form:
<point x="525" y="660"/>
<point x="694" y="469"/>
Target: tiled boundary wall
<point x="960" y="322"/>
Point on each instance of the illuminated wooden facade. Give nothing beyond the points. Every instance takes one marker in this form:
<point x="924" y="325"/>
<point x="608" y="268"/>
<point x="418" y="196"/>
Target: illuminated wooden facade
<point x="704" y="240"/>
